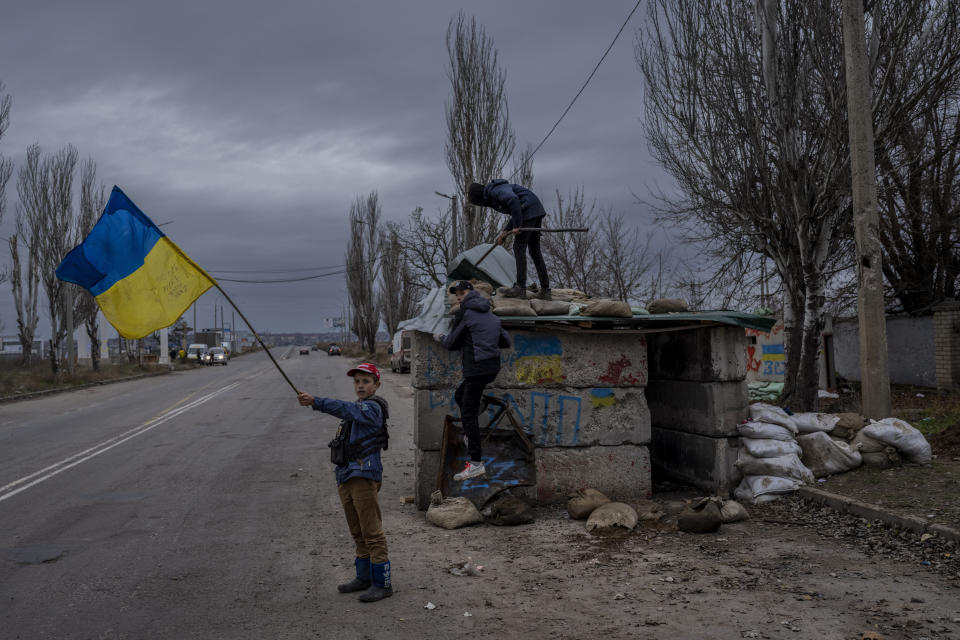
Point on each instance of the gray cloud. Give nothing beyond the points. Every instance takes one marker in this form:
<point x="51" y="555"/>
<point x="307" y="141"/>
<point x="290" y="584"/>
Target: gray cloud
<point x="253" y="126"/>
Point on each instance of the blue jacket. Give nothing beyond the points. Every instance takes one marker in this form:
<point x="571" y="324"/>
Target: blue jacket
<point x="478" y="335"/>
<point x="365" y="418"/>
<point x="515" y="200"/>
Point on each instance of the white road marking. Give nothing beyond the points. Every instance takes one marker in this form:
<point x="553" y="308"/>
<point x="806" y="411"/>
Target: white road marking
<point x="13" y="488"/>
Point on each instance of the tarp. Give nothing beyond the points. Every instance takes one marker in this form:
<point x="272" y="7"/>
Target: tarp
<point x="430" y="318"/>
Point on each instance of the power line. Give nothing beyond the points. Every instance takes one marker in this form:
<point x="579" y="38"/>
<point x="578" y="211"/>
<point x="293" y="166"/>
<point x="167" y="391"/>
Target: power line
<point x="585" y="83"/>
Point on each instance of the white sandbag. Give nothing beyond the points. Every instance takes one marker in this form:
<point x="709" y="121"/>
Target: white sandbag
<point x="788" y="466"/>
<point x="825" y="456"/>
<point x="865" y="444"/>
<point x="763" y="412"/>
<point x="770" y="448"/>
<point x="811" y="422"/>
<point x="903" y="437"/>
<point x="765" y="430"/>
<point x="757" y="489"/>
<point x="503" y="306"/>
<point x="582" y="502"/>
<point x="733" y="511"/>
<point x="550" y="307"/>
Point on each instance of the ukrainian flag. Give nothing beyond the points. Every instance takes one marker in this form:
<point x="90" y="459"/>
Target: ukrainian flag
<point x="141" y="280"/>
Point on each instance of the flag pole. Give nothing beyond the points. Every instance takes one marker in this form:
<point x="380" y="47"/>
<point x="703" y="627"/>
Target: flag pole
<point x="256" y="335"/>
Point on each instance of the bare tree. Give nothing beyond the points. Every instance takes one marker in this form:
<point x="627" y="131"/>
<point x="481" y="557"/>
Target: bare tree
<point x="626" y="259"/>
<point x="573" y="258"/>
<point x="6" y="164"/>
<point x="746" y="108"/>
<point x="362" y="267"/>
<point x="93" y="199"/>
<point x="427" y="247"/>
<point x="479" y="137"/>
<point x="396" y="297"/>
<point x="25" y="269"/>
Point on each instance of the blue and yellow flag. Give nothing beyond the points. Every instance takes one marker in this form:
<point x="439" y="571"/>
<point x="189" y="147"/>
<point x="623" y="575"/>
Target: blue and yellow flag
<point x="140" y="279"/>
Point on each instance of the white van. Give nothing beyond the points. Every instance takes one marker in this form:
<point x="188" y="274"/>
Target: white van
<point x="196" y="350"/>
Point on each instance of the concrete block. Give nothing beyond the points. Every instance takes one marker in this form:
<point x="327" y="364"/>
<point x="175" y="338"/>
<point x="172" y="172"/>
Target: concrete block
<point x="708" y="408"/>
<point x="426" y="465"/>
<point x="698" y="460"/>
<point x="552" y="417"/>
<point x="703" y="355"/>
<point x="539" y="359"/>
<point x="623" y="472"/>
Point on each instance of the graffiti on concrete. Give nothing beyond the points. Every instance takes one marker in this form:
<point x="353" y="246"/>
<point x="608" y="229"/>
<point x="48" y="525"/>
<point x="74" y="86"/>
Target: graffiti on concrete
<point x="548" y="417"/>
<point x="538" y="360"/>
<point x="766" y="358"/>
<point x="620" y="373"/>
<point x="602" y="398"/>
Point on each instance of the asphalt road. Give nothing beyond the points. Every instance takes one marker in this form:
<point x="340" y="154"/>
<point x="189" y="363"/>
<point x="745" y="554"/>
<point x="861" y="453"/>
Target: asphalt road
<point x="192" y="505"/>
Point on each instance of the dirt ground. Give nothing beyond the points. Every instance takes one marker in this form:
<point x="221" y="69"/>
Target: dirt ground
<point x="793" y="570"/>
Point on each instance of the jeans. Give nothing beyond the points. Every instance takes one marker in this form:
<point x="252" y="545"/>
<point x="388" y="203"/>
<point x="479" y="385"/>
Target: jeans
<point x="468" y="396"/>
<point x="530" y="241"/>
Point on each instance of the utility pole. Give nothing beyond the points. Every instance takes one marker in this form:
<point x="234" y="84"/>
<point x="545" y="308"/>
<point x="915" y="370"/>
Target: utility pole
<point x="874" y="367"/>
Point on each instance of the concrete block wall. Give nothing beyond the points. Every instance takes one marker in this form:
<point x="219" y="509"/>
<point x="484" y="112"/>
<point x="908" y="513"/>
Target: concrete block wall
<point x="579" y="396"/>
<point x="697" y="395"/>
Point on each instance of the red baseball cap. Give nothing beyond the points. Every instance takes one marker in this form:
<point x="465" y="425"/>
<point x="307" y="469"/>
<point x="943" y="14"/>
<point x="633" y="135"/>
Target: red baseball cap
<point x="366" y="367"/>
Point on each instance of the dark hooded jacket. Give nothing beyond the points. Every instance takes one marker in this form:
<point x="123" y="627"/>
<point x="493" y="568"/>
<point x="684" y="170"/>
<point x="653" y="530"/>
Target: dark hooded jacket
<point x="478" y="335"/>
<point x="515" y="200"/>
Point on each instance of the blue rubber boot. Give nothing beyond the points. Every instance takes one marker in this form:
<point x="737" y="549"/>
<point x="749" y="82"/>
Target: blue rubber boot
<point x="380" y="589"/>
<point x="362" y="581"/>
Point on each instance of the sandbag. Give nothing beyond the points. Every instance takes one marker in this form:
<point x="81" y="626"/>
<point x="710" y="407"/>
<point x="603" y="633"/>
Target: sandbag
<point x="503" y="306"/>
<point x="770" y="448"/>
<point x="765" y="430"/>
<point x="507" y="510"/>
<point x="885" y="459"/>
<point x="865" y="444"/>
<point x="550" y="307"/>
<point x="582" y="502"/>
<point x="568" y="295"/>
<point x="701" y="517"/>
<point x="848" y="425"/>
<point x="452" y="513"/>
<point x="733" y="511"/>
<point x="604" y="307"/>
<point x="825" y="456"/>
<point x="906" y="439"/>
<point x="647" y="510"/>
<point x="757" y="489"/>
<point x="788" y="466"/>
<point x="763" y="412"/>
<point x="607" y="517"/>
<point x="811" y="422"/>
<point x="667" y="305"/>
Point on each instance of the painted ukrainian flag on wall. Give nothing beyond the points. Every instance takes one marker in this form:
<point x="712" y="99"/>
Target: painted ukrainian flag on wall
<point x="141" y="280"/>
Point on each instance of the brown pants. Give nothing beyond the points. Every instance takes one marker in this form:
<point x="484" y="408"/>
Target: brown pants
<point x="360" y="505"/>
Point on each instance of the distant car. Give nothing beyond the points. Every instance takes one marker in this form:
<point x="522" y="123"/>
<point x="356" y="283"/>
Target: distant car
<point x="304" y="351"/>
<point x="333" y="350"/>
<point x="196" y="351"/>
<point x="216" y="355"/>
<point x="400" y="352"/>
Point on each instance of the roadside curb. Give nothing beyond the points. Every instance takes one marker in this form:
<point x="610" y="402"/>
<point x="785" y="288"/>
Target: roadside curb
<point x="100" y="383"/>
<point x="843" y="504"/>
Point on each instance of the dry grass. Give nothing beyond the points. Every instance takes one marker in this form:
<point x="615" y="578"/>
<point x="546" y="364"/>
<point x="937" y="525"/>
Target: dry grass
<point x="16" y="379"/>
<point x="926" y="409"/>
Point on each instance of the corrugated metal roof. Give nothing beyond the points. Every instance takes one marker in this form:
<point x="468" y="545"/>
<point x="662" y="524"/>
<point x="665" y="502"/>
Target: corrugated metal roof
<point x="499" y="268"/>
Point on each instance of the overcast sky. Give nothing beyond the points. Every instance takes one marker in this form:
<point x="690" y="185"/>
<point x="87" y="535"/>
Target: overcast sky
<point x="251" y="126"/>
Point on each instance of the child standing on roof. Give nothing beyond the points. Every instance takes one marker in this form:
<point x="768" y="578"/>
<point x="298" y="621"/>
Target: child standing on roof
<point x="525" y="210"/>
<point x="479" y="336"/>
<point x="356" y="452"/>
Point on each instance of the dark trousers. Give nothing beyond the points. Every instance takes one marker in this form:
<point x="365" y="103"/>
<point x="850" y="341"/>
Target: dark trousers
<point x="468" y="396"/>
<point x="530" y="241"/>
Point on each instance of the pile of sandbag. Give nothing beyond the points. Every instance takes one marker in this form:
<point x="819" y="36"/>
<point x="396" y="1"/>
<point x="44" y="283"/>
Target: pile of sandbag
<point x="604" y="516"/>
<point x="705" y="515"/>
<point x="884" y="442"/>
<point x="769" y="456"/>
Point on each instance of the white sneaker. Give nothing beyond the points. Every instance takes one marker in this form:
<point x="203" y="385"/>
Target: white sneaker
<point x="471" y="470"/>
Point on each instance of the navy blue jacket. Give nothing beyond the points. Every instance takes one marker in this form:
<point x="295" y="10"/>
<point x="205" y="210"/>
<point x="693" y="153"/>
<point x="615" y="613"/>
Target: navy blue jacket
<point x="366" y="418"/>
<point x="478" y="335"/>
<point x="515" y="200"/>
